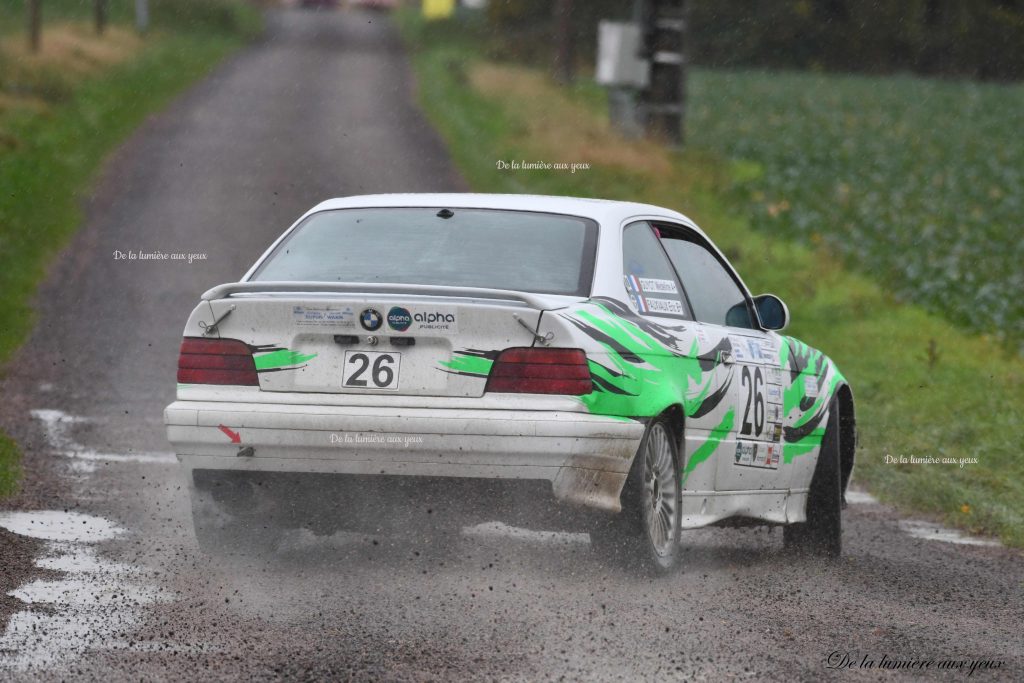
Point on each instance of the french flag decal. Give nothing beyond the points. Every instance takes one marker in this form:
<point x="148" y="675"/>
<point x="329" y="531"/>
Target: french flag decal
<point x="633" y="284"/>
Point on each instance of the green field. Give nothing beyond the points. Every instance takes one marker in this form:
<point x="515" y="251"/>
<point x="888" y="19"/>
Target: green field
<point x="917" y="182"/>
<point x="923" y="386"/>
<point x="61" y="113"/>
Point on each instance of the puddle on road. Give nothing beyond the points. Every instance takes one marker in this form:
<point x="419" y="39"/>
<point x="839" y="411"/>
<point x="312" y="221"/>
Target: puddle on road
<point x="81" y="560"/>
<point x="928" y="531"/>
<point x="504" y="532"/>
<point x="83" y="593"/>
<point x="57" y="425"/>
<point x="54" y="525"/>
<point x="931" y="531"/>
<point x="92" y="606"/>
<point x="855" y="497"/>
<point x="304" y="540"/>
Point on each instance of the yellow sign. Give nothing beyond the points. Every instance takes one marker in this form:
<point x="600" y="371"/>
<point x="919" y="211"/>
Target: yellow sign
<point x="438" y="9"/>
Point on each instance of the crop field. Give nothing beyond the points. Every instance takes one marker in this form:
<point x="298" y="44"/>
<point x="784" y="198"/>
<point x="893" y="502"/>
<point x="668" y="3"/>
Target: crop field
<point x="918" y="183"/>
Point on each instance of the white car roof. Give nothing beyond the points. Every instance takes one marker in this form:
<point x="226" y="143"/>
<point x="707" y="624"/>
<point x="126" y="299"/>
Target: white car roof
<point x="604" y="211"/>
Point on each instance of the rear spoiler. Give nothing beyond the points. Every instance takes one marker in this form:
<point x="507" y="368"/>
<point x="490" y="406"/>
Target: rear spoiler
<point x="537" y="301"/>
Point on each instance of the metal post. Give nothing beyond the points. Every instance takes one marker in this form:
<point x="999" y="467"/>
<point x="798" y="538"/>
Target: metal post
<point x="35" y="24"/>
<point x="142" y="15"/>
<point x="100" y="11"/>
<point x="664" y="101"/>
<point x="565" y="53"/>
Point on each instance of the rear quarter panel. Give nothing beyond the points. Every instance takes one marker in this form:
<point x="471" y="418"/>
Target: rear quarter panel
<point x="641" y="369"/>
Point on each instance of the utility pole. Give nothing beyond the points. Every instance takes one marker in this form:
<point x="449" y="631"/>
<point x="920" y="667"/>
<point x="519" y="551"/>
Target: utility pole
<point x="100" y="11"/>
<point x="142" y="15"/>
<point x="35" y="24"/>
<point x="664" y="101"/>
<point x="565" y="48"/>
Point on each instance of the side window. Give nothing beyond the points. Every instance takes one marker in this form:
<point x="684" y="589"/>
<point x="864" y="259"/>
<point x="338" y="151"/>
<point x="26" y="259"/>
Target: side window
<point x="650" y="280"/>
<point x="711" y="290"/>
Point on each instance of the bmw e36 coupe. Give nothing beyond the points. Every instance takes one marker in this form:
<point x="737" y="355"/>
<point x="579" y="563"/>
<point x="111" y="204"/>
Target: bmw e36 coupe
<point x="605" y="352"/>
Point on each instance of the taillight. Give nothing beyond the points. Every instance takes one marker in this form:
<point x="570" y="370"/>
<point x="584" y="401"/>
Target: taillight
<point x="540" y="371"/>
<point x="216" y="361"/>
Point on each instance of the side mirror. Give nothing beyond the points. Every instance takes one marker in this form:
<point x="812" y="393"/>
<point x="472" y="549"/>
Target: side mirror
<point x="772" y="312"/>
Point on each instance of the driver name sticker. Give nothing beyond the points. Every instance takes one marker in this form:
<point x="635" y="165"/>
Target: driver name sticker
<point x="638" y="287"/>
<point x="672" y="306"/>
<point x="656" y="285"/>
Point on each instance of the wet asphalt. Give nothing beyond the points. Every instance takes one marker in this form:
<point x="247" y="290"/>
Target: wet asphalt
<point x="324" y="106"/>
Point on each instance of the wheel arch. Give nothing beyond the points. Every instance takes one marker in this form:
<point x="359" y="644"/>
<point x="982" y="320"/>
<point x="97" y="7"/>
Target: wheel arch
<point x="676" y="417"/>
<point x="847" y="433"/>
<point x="677" y="420"/>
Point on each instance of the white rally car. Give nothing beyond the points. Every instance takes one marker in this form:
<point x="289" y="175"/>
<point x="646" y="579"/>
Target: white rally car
<point x="601" y="354"/>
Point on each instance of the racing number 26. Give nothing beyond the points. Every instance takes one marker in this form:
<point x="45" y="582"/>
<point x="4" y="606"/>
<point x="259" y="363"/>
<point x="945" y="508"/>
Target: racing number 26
<point x="369" y="370"/>
<point x="754" y="384"/>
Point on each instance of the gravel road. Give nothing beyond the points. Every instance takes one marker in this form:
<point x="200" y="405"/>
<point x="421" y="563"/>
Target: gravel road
<point x="322" y="107"/>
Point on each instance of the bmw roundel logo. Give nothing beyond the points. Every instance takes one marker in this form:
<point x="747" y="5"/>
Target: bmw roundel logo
<point x="399" y="319"/>
<point x="371" y="319"/>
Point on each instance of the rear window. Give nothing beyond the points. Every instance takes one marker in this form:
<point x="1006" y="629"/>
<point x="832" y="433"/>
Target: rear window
<point x="517" y="250"/>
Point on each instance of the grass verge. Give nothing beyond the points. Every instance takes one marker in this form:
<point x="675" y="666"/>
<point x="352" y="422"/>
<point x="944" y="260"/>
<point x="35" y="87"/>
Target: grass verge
<point x="9" y="466"/>
<point x="62" y="111"/>
<point x="923" y="386"/>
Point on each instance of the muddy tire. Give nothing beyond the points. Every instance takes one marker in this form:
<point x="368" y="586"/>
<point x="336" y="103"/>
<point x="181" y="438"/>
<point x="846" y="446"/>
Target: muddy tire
<point x="821" y="534"/>
<point x="645" y="535"/>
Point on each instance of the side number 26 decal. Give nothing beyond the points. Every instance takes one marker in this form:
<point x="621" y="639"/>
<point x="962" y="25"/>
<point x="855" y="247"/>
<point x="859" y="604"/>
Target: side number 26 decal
<point x="753" y="382"/>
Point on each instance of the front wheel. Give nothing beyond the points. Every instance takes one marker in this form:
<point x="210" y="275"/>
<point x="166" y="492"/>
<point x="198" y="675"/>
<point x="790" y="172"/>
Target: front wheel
<point x="645" y="534"/>
<point x="821" y="534"/>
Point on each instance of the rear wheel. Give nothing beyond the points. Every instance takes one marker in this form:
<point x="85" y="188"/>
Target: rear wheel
<point x="821" y="534"/>
<point x="645" y="535"/>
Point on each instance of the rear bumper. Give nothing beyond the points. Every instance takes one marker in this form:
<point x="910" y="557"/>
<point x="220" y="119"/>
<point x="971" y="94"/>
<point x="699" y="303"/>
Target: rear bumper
<point x="585" y="457"/>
